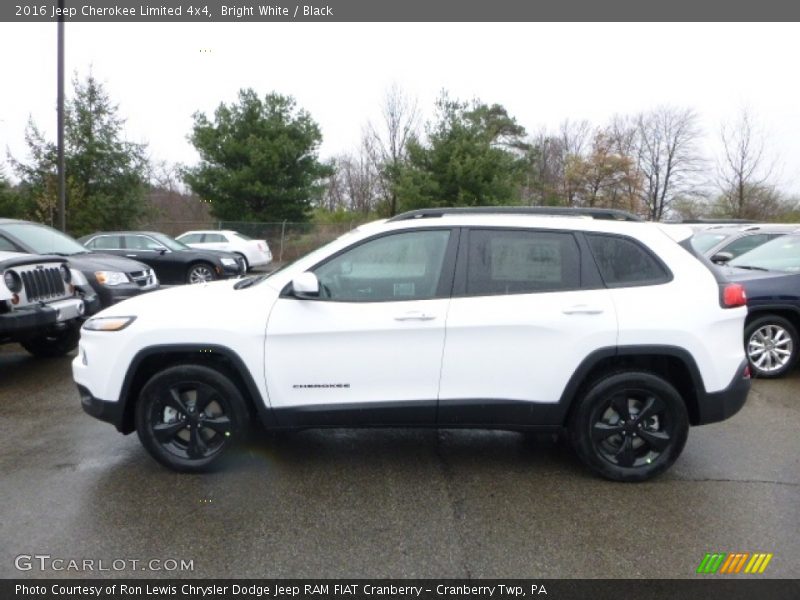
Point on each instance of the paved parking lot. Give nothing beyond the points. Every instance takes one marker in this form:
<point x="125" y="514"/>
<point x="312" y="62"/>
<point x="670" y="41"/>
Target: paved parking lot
<point x="389" y="503"/>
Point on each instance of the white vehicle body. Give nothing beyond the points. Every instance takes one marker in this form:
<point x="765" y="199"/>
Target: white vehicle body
<point x="505" y="359"/>
<point x="255" y="252"/>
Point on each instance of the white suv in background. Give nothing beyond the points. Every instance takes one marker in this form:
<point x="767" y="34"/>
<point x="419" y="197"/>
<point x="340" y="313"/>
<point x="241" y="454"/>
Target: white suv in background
<point x="488" y="318"/>
<point x="256" y="253"/>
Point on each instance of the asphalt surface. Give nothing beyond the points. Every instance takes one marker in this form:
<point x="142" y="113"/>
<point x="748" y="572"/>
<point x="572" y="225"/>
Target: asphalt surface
<point x="387" y="503"/>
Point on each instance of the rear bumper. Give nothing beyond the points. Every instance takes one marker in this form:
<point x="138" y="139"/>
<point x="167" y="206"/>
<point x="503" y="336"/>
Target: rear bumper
<point x="718" y="406"/>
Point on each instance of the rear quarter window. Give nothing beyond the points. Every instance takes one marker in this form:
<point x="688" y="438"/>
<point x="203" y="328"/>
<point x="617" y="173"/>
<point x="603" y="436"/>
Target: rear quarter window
<point x="624" y="262"/>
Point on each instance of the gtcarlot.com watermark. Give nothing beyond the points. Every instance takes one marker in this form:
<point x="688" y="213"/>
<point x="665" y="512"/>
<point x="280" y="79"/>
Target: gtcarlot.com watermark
<point x="46" y="562"/>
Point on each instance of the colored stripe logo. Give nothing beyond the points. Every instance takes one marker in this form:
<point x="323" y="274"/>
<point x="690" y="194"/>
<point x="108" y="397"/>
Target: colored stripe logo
<point x="734" y="562"/>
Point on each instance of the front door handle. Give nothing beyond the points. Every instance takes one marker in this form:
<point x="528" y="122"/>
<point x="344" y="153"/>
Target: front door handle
<point x="415" y="316"/>
<point x="582" y="309"/>
<point x="131" y="255"/>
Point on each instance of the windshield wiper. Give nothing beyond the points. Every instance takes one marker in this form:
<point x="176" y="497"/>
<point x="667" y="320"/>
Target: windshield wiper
<point x="249" y="281"/>
<point x="750" y="267"/>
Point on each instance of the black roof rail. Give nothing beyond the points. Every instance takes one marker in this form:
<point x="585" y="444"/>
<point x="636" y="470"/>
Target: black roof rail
<point x="710" y="221"/>
<point x="609" y="214"/>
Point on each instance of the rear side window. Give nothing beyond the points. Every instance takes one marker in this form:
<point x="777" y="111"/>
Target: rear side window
<point x="746" y="243"/>
<point x="105" y="242"/>
<point x="521" y="262"/>
<point x="623" y="262"/>
<point x="192" y="238"/>
<point x="214" y="238"/>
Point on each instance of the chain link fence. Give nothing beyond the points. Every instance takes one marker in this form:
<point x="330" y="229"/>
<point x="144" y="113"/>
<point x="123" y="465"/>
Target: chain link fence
<point x="287" y="241"/>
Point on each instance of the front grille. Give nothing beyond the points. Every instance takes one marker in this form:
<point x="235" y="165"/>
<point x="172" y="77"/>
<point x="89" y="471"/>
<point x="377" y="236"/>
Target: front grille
<point x="42" y="284"/>
<point x="142" y="278"/>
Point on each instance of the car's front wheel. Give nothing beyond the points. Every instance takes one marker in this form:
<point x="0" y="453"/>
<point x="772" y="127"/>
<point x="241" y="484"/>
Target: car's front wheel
<point x="772" y="346"/>
<point x="53" y="344"/>
<point x="200" y="273"/>
<point x="630" y="426"/>
<point x="187" y="416"/>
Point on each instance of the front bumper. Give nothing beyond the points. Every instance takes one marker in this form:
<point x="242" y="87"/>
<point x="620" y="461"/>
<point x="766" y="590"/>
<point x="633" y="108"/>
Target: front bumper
<point x="110" y="412"/>
<point x="22" y="322"/>
<point x="718" y="406"/>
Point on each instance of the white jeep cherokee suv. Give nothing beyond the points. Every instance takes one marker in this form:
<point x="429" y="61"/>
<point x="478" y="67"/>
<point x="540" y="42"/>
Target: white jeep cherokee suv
<point x="502" y="319"/>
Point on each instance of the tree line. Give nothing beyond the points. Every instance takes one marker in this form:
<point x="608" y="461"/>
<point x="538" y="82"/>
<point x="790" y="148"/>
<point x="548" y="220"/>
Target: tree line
<point x="259" y="161"/>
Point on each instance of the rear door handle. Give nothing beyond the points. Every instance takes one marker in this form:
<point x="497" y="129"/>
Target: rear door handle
<point x="582" y="309"/>
<point x="415" y="316"/>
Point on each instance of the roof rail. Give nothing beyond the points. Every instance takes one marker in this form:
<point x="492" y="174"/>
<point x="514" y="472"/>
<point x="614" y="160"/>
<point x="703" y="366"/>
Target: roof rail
<point x="609" y="214"/>
<point x="711" y="221"/>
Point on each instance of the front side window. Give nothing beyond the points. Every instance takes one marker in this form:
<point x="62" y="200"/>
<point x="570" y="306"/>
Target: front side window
<point x="141" y="242"/>
<point x="623" y="262"/>
<point x="401" y="266"/>
<point x="746" y="243"/>
<point x="521" y="262"/>
<point x="780" y="254"/>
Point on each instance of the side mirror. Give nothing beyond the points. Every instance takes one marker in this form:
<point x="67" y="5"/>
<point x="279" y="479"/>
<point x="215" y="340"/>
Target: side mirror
<point x="721" y="257"/>
<point x="161" y="249"/>
<point x="306" y="285"/>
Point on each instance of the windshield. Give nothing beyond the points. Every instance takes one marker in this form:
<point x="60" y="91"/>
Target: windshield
<point x="780" y="254"/>
<point x="703" y="242"/>
<point x="40" y="239"/>
<point x="170" y="243"/>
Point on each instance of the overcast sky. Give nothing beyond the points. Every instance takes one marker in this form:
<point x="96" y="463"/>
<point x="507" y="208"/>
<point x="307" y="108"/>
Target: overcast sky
<point x="542" y="73"/>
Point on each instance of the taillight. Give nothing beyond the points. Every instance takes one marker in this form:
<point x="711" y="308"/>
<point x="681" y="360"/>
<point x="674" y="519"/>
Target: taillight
<point x="733" y="295"/>
<point x="746" y="373"/>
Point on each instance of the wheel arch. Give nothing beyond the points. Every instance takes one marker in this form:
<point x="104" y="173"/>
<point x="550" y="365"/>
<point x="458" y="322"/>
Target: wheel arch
<point x="788" y="312"/>
<point x="153" y="359"/>
<point x="676" y="365"/>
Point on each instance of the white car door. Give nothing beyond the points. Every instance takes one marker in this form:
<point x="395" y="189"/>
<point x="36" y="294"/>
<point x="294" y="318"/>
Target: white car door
<point x="524" y="315"/>
<point x="369" y="349"/>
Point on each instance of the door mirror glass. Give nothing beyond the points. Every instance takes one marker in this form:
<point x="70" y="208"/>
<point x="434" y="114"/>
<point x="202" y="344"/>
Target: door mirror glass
<point x="721" y="257"/>
<point x="306" y="285"/>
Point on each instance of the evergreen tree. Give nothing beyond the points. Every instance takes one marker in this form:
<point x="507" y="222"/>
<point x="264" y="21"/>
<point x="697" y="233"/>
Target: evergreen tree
<point x="258" y="159"/>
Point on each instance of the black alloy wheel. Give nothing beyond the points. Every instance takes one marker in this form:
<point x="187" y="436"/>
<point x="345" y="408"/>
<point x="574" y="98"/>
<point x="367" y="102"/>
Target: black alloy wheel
<point x="630" y="426"/>
<point x="188" y="415"/>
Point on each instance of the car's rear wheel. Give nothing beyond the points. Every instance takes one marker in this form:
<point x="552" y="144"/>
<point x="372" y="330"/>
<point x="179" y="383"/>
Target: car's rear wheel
<point x="771" y="344"/>
<point x="200" y="273"/>
<point x="53" y="344"/>
<point x="244" y="260"/>
<point x="629" y="426"/>
<point x="187" y="416"/>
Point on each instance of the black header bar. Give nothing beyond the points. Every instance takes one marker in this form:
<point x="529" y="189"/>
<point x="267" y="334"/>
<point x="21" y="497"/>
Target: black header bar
<point x="243" y="11"/>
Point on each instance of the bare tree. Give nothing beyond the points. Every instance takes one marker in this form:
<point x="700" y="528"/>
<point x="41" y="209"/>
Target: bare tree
<point x="400" y="122"/>
<point x="667" y="157"/>
<point x="744" y="173"/>
<point x="356" y="182"/>
<point x="574" y="138"/>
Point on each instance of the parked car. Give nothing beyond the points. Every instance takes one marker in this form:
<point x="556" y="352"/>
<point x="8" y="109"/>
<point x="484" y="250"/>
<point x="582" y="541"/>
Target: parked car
<point x="42" y="303"/>
<point x="770" y="275"/>
<point x="173" y="261"/>
<point x="722" y="243"/>
<point x="438" y="318"/>
<point x="113" y="278"/>
<point x="256" y="253"/>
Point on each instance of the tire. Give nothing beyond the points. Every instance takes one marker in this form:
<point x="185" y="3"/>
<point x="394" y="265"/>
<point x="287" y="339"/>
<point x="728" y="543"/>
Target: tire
<point x="246" y="263"/>
<point x="201" y="273"/>
<point x="54" y="344"/>
<point x="771" y="345"/>
<point x="635" y="446"/>
<point x="188" y="416"/>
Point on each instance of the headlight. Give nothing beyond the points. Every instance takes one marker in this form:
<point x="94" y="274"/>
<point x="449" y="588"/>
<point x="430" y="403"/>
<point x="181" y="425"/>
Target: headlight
<point x="111" y="277"/>
<point x="66" y="274"/>
<point x="13" y="281"/>
<point x="108" y="323"/>
<point x="229" y="262"/>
